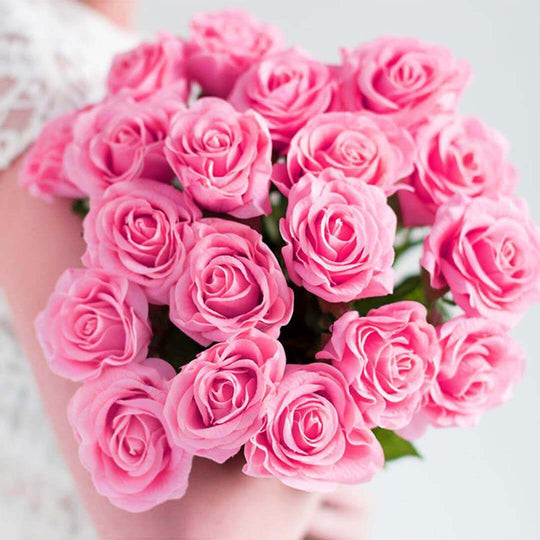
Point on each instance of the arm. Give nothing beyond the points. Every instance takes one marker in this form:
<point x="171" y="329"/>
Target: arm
<point x="38" y="241"/>
<point x="118" y="11"/>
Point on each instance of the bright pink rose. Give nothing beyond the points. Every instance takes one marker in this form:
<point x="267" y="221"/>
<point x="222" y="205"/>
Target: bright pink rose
<point x="339" y="236"/>
<point x="116" y="141"/>
<point x="222" y="158"/>
<point x="43" y="171"/>
<point x="231" y="282"/>
<point x="488" y="252"/>
<point x="139" y="230"/>
<point x="286" y="89"/>
<point x="224" y="45"/>
<point x="401" y="77"/>
<point x="93" y="320"/>
<point x="314" y="436"/>
<point x="217" y="402"/>
<point x="366" y="147"/>
<point x="150" y="67"/>
<point x="389" y="358"/>
<point x="480" y="364"/>
<point x="118" y="421"/>
<point x="456" y="155"/>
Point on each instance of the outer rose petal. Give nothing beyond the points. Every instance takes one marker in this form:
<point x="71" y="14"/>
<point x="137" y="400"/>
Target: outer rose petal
<point x="139" y="230"/>
<point x="339" y="237"/>
<point x="343" y="451"/>
<point x="390" y="358"/>
<point x="231" y="282"/>
<point x="93" y="320"/>
<point x="122" y="409"/>
<point x="202" y="417"/>
<point x="222" y="158"/>
<point x="488" y="252"/>
<point x="223" y="45"/>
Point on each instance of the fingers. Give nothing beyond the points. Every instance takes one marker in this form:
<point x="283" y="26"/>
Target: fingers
<point x="342" y="515"/>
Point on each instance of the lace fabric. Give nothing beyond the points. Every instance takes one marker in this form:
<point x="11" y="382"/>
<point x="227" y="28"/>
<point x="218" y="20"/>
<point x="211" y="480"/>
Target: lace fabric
<point x="53" y="57"/>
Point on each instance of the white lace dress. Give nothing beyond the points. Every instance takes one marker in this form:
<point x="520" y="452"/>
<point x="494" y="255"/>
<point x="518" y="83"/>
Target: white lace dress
<point x="53" y="57"/>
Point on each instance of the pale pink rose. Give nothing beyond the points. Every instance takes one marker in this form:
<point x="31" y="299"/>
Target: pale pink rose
<point x="389" y="358"/>
<point x="139" y="230"/>
<point x="93" y="320"/>
<point x="43" y="172"/>
<point x="487" y="251"/>
<point x="222" y="158"/>
<point x="149" y="67"/>
<point x="224" y="44"/>
<point x="217" y="401"/>
<point x="116" y="141"/>
<point x="287" y="89"/>
<point x="456" y="155"/>
<point x="339" y="237"/>
<point x="119" y="424"/>
<point x="480" y="365"/>
<point x="403" y="78"/>
<point x="231" y="282"/>
<point x="314" y="437"/>
<point x="366" y="147"/>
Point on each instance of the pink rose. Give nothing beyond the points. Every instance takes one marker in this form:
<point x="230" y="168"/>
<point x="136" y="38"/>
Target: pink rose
<point x="222" y="158"/>
<point x="118" y="421"/>
<point x="487" y="251"/>
<point x="480" y="364"/>
<point x="389" y="358"/>
<point x="314" y="436"/>
<point x="401" y="77"/>
<point x="231" y="282"/>
<point x="139" y="230"/>
<point x="93" y="320"/>
<point x="224" y="45"/>
<point x="43" y="171"/>
<point x="366" y="147"/>
<point x="339" y="237"/>
<point x="287" y="89"/>
<point x="116" y="141"/>
<point x="456" y="155"/>
<point x="217" y="402"/>
<point x="150" y="67"/>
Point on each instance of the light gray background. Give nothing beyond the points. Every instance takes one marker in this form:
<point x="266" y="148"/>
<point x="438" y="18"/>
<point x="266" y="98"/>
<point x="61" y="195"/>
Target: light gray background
<point x="479" y="483"/>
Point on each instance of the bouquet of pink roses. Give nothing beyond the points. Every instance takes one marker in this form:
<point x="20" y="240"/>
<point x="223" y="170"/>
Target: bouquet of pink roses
<point x="247" y="209"/>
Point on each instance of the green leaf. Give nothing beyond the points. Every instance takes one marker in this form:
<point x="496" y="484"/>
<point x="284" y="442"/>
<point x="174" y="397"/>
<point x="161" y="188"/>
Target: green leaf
<point x="394" y="446"/>
<point x="81" y="207"/>
<point x="409" y="289"/>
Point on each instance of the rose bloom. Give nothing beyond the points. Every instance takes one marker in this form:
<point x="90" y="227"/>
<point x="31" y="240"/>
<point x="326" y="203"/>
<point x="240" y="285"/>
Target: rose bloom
<point x="93" y="320"/>
<point x="231" y="282"/>
<point x="314" y="436"/>
<point x="116" y="141"/>
<point x="150" y="67"/>
<point x="339" y="236"/>
<point x="403" y="78"/>
<point x="118" y="422"/>
<point x="456" y="155"/>
<point x="223" y="45"/>
<point x="286" y="89"/>
<point x="369" y="148"/>
<point x="479" y="367"/>
<point x="217" y="402"/>
<point x="487" y="251"/>
<point x="138" y="230"/>
<point x="389" y="358"/>
<point x="222" y="158"/>
<point x="43" y="171"/>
